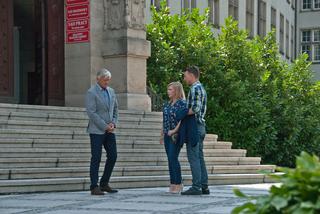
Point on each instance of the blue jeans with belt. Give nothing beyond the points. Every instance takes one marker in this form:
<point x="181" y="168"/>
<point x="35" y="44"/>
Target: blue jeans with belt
<point x="108" y="141"/>
<point x="173" y="150"/>
<point x="196" y="160"/>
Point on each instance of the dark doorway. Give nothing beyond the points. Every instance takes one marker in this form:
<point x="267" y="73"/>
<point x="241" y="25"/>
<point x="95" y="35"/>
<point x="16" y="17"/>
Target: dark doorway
<point x="37" y="28"/>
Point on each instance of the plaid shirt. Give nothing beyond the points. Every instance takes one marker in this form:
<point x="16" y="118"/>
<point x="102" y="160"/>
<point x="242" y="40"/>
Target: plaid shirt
<point x="197" y="101"/>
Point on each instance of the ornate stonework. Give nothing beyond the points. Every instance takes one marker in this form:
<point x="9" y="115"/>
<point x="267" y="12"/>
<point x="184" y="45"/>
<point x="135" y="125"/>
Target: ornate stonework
<point x="120" y="14"/>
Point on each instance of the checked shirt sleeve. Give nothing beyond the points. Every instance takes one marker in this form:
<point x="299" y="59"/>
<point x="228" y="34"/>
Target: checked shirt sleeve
<point x="195" y="99"/>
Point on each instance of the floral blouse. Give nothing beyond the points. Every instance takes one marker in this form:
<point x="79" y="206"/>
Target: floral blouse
<point x="169" y="114"/>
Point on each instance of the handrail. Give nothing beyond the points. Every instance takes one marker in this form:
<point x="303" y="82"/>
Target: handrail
<point x="156" y="100"/>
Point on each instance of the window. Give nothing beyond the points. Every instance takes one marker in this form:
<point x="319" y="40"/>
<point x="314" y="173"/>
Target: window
<point x="287" y="39"/>
<point x="316" y="35"/>
<point x="293" y="4"/>
<point x="306" y="36"/>
<point x="186" y="4"/>
<point x="262" y="17"/>
<point x="273" y="18"/>
<point x="317" y="52"/>
<point x="306" y="49"/>
<point x="281" y="34"/>
<point x="316" y="4"/>
<point x="193" y="4"/>
<point x="292" y="43"/>
<point x="156" y="3"/>
<point x="249" y="17"/>
<point x="233" y="9"/>
<point x="214" y="12"/>
<point x="310" y="43"/>
<point x="306" y="4"/>
<point x="211" y="12"/>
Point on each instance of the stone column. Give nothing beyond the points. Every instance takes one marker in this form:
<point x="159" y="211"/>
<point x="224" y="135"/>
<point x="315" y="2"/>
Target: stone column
<point x="125" y="51"/>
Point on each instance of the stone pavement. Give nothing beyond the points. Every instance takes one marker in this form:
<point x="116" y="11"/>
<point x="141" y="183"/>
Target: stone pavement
<point x="129" y="201"/>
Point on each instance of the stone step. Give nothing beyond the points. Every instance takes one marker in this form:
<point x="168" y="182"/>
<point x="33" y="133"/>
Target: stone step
<point x="9" y="163"/>
<point x="69" y="111"/>
<point x="85" y="153"/>
<point x="83" y="183"/>
<point x="70" y="118"/>
<point x="71" y="172"/>
<point x="70" y="134"/>
<point x="41" y="125"/>
<point x="46" y="148"/>
<point x="121" y="144"/>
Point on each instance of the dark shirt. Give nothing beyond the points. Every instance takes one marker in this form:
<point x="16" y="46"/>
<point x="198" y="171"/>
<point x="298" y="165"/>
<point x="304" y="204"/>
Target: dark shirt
<point x="188" y="130"/>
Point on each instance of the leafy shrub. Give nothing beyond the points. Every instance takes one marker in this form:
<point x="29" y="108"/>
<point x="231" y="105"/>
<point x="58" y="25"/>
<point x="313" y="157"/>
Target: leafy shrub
<point x="255" y="99"/>
<point x="299" y="192"/>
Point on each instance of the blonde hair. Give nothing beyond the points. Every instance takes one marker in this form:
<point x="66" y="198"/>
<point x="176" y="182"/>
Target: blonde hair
<point x="178" y="87"/>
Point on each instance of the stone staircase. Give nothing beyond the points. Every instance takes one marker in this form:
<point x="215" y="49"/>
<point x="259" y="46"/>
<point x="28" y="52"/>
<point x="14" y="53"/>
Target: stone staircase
<point x="46" y="148"/>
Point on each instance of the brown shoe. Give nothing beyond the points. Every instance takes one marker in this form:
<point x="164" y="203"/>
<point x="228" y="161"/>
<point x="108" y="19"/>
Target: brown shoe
<point x="108" y="189"/>
<point x="97" y="191"/>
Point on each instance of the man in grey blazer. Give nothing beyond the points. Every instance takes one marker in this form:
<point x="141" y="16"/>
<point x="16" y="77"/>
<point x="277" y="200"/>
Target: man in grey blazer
<point x="102" y="109"/>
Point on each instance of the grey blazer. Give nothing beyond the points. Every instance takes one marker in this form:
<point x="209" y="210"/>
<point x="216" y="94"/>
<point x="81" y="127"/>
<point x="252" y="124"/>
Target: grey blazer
<point x="100" y="111"/>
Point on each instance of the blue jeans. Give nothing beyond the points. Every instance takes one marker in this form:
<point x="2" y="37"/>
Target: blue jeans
<point x="196" y="160"/>
<point x="173" y="150"/>
<point x="108" y="141"/>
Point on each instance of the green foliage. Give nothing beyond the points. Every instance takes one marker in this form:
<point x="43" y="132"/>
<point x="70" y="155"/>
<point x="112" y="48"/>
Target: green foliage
<point x="299" y="191"/>
<point x="175" y="41"/>
<point x="255" y="99"/>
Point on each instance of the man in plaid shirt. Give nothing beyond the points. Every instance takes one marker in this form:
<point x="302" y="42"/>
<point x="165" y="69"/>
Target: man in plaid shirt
<point x="197" y="104"/>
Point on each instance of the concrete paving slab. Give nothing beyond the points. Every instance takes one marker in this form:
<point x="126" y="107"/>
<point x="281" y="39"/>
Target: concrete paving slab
<point x="11" y="211"/>
<point x="129" y="201"/>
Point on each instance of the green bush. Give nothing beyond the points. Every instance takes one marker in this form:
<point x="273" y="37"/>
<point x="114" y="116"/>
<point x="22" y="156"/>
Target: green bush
<point x="299" y="192"/>
<point x="255" y="99"/>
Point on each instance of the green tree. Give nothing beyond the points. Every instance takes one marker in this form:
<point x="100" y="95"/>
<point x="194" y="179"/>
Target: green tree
<point x="255" y="99"/>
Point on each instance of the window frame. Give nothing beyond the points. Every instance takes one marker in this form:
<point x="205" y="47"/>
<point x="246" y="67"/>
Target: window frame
<point x="303" y="3"/>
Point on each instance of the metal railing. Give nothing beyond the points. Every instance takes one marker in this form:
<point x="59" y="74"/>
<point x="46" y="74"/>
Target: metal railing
<point x="156" y="100"/>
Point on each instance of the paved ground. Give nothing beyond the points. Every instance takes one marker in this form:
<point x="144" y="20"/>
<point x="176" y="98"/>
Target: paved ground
<point x="128" y="201"/>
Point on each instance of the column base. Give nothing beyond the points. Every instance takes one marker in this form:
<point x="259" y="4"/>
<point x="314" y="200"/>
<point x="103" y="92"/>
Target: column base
<point x="141" y="102"/>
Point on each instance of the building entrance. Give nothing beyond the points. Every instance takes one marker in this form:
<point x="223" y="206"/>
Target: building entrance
<point x="32" y="52"/>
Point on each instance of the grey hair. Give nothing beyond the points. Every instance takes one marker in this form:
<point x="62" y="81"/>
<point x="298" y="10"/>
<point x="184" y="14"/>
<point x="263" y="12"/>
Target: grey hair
<point x="103" y="73"/>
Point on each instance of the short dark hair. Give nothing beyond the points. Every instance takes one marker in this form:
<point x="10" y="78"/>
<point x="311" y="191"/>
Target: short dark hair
<point x="194" y="70"/>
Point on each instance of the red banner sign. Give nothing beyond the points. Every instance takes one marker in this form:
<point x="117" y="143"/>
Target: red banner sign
<point x="69" y="2"/>
<point x="78" y="36"/>
<point x="79" y="24"/>
<point x="77" y="11"/>
<point x="78" y="21"/>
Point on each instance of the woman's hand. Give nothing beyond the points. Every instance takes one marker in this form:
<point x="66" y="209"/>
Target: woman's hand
<point x="161" y="141"/>
<point x="161" y="137"/>
<point x="171" y="132"/>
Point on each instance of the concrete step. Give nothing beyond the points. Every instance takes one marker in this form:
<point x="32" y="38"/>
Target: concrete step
<point x="46" y="148"/>
<point x="72" y="172"/>
<point x="83" y="183"/>
<point x="70" y="134"/>
<point x="81" y="126"/>
<point x="85" y="153"/>
<point x="72" y="143"/>
<point x="69" y="111"/>
<point x="9" y="163"/>
<point x="70" y="118"/>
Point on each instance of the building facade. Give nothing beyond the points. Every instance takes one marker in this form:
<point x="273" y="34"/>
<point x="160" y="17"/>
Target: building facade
<point x="296" y="22"/>
<point x="50" y="50"/>
<point x="308" y="32"/>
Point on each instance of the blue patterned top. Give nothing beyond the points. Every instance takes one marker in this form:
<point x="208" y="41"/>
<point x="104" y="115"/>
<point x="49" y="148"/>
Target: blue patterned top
<point x="169" y="114"/>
